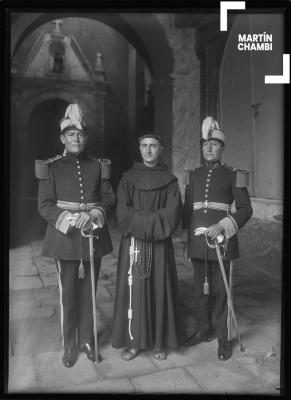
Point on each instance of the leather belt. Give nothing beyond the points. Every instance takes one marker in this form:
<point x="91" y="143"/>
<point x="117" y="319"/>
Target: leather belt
<point x="212" y="204"/>
<point x="69" y="205"/>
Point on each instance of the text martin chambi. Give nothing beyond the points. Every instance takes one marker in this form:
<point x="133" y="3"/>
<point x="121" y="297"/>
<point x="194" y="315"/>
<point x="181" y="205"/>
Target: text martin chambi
<point x="254" y="42"/>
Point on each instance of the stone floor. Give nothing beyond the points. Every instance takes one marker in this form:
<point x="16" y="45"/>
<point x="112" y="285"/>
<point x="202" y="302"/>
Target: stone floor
<point x="35" y="347"/>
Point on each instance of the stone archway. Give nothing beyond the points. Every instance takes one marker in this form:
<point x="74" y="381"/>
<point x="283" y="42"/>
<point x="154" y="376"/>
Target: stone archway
<point x="170" y="53"/>
<point x="148" y="37"/>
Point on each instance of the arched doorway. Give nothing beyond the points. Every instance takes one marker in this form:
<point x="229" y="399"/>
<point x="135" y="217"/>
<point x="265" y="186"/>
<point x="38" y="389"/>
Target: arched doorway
<point x="145" y="34"/>
<point x="42" y="141"/>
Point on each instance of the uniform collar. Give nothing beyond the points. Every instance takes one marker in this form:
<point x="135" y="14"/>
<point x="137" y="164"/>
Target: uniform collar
<point x="214" y="164"/>
<point x="74" y="157"/>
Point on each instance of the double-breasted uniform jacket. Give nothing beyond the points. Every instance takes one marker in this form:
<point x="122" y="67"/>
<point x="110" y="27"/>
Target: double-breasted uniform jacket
<point x="69" y="184"/>
<point x="209" y="194"/>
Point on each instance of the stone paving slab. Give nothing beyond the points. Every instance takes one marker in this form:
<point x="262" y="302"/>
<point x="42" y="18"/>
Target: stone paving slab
<point x="109" y="272"/>
<point x="22" y="374"/>
<point x="175" y="381"/>
<point x="271" y="380"/>
<point x="35" y="335"/>
<point x="24" y="282"/>
<point x="23" y="267"/>
<point x="208" y="350"/>
<point x="52" y="375"/>
<point x="36" y="251"/>
<point x="266" y="370"/>
<point x="112" y="290"/>
<point x="45" y="265"/>
<point x="106" y="309"/>
<point x="257" y="316"/>
<point x="20" y="253"/>
<point x="23" y="310"/>
<point x="20" y="295"/>
<point x="112" y="386"/>
<point x="212" y="377"/>
<point x="249" y="364"/>
<point x="17" y="307"/>
<point x="103" y="294"/>
<point x="273" y="330"/>
<point x="103" y="281"/>
<point x="47" y="296"/>
<point x="36" y="243"/>
<point x="108" y="261"/>
<point x="257" y="339"/>
<point x="49" y="280"/>
<point x="242" y="300"/>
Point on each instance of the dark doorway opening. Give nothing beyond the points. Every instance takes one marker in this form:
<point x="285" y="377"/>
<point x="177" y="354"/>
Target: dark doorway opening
<point x="43" y="141"/>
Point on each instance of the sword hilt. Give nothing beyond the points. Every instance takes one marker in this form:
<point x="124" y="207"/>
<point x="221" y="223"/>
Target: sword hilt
<point x="89" y="235"/>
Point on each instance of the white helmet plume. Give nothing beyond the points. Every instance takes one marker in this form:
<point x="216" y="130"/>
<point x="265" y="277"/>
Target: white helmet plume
<point x="73" y="117"/>
<point x="208" y="125"/>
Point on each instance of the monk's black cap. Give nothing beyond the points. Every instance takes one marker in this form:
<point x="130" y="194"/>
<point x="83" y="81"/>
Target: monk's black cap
<point x="152" y="135"/>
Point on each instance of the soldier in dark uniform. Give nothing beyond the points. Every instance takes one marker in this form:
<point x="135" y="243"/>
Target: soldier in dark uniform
<point x="209" y="194"/>
<point x="75" y="195"/>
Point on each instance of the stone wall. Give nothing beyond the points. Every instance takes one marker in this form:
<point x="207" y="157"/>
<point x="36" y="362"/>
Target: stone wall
<point x="186" y="97"/>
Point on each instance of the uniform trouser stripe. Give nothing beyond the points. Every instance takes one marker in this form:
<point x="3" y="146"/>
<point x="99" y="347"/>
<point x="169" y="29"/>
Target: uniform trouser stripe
<point x="61" y="299"/>
<point x="211" y="309"/>
<point x="76" y="301"/>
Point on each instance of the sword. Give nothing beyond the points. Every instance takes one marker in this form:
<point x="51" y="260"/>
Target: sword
<point x="229" y="320"/>
<point x="91" y="252"/>
<point x="219" y="239"/>
<point x="228" y="293"/>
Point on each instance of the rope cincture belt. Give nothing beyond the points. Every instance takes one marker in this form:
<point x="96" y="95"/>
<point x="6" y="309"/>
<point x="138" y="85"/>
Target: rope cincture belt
<point x="69" y="205"/>
<point x="211" y="204"/>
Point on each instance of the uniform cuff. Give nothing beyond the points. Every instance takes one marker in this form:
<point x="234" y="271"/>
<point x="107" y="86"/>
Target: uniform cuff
<point x="102" y="210"/>
<point x="184" y="235"/>
<point x="63" y="223"/>
<point x="229" y="225"/>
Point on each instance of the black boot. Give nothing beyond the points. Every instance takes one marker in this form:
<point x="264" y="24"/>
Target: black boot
<point x="70" y="356"/>
<point x="224" y="351"/>
<point x="89" y="350"/>
<point x="199" y="337"/>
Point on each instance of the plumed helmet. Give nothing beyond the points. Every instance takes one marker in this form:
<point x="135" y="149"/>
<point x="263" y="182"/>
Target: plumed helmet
<point x="210" y="130"/>
<point x="73" y="118"/>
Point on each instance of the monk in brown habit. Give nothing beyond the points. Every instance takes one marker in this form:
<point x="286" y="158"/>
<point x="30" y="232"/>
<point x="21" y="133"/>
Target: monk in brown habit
<point x="146" y="312"/>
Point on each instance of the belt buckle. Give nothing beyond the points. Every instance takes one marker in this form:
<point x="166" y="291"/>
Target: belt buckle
<point x="205" y="204"/>
<point x="83" y="206"/>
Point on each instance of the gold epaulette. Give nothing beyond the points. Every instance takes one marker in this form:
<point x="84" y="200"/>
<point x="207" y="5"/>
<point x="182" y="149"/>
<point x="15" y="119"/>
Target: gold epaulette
<point x="229" y="166"/>
<point x="242" y="178"/>
<point x="186" y="177"/>
<point x="42" y="167"/>
<point x="105" y="168"/>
